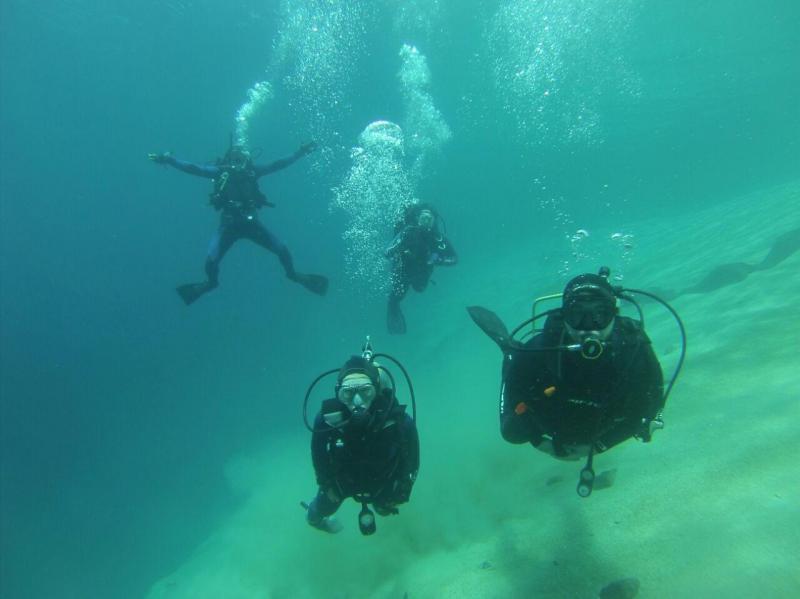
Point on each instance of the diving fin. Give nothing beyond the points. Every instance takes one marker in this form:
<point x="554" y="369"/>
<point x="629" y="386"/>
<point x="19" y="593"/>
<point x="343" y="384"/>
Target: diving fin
<point x="314" y="283"/>
<point x="491" y="324"/>
<point x="395" y="321"/>
<point x="191" y="291"/>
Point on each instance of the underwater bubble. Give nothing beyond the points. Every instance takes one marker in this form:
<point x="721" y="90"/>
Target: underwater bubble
<point x="314" y="56"/>
<point x="554" y="64"/>
<point x="427" y="130"/>
<point x="372" y="196"/>
<point x="419" y="19"/>
<point x="383" y="134"/>
<point x="257" y="96"/>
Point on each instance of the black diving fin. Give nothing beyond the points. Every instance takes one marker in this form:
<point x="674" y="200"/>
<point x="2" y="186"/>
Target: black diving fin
<point x="191" y="291"/>
<point x="314" y="283"/>
<point x="395" y="321"/>
<point x="491" y="324"/>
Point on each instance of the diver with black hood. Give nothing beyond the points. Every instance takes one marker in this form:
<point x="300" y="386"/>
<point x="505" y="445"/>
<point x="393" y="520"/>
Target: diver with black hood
<point x="585" y="382"/>
<point x="419" y="245"/>
<point x="237" y="197"/>
<point x="363" y="445"/>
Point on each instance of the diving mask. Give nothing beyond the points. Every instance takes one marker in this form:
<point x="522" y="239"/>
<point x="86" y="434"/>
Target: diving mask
<point x="357" y="392"/>
<point x="425" y="219"/>
<point x="587" y="313"/>
<point x="238" y="158"/>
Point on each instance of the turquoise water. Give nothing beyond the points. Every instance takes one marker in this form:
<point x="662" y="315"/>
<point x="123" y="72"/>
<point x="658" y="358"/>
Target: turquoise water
<point x="123" y="411"/>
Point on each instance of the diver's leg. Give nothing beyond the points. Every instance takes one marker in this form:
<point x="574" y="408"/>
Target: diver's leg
<point x="259" y="234"/>
<point x="322" y="508"/>
<point x="421" y="278"/>
<point x="395" y="321"/>
<point x="223" y="239"/>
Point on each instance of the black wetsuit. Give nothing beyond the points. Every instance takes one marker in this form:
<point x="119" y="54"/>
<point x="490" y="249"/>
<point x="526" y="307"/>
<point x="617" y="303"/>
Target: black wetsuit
<point x="415" y="251"/>
<point x="574" y="401"/>
<point x="238" y="201"/>
<point x="378" y="465"/>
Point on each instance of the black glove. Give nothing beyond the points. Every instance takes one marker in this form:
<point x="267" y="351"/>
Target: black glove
<point x="162" y="158"/>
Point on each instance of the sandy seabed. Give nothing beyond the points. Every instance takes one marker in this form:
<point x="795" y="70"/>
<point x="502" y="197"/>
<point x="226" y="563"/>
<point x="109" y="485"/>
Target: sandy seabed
<point x="710" y="508"/>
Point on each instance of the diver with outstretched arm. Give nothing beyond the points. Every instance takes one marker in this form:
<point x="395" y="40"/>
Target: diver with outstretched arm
<point x="236" y="195"/>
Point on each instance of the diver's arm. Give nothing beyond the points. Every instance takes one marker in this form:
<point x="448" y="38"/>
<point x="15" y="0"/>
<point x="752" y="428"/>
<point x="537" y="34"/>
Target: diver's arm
<point x="646" y="400"/>
<point x="396" y="244"/>
<point x="517" y="424"/>
<point x="208" y="171"/>
<point x="266" y="169"/>
<point x="652" y="393"/>
<point x="319" y="454"/>
<point x="445" y="254"/>
<point x="620" y="432"/>
<point x="412" y="446"/>
<point x="407" y="473"/>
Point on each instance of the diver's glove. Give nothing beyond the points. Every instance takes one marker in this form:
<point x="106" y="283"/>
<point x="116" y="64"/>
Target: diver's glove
<point x="162" y="158"/>
<point x="306" y="149"/>
<point x="649" y="426"/>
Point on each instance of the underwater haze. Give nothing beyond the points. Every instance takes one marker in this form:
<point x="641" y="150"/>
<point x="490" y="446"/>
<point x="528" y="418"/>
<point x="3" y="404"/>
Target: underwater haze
<point x="150" y="449"/>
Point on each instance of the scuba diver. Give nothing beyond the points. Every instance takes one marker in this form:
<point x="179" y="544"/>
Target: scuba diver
<point x="417" y="247"/>
<point x="363" y="445"/>
<point x="237" y="197"/>
<point x="585" y="382"/>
